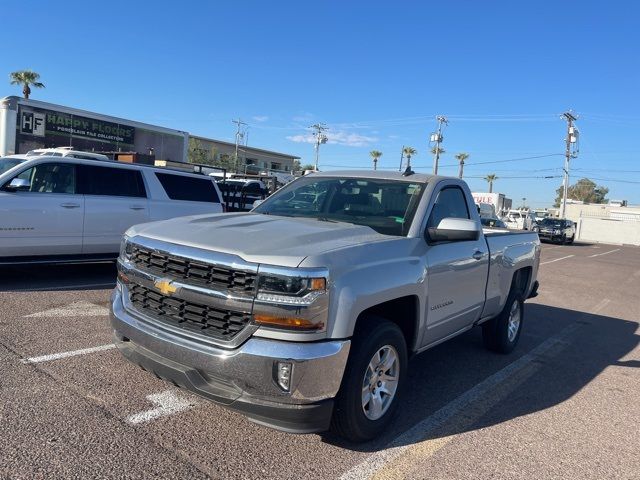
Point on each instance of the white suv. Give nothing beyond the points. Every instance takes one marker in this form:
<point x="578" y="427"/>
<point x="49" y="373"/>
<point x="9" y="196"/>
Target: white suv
<point x="62" y="208"/>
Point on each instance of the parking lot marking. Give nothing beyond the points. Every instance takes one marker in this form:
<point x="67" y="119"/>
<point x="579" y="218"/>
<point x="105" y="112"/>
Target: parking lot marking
<point x="75" y="309"/>
<point x="556" y="260"/>
<point x="466" y="408"/>
<point x="73" y="353"/>
<point x="166" y="403"/>
<point x="604" y="253"/>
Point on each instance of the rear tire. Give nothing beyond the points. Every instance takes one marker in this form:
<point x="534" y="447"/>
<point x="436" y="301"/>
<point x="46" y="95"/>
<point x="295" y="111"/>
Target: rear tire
<point x="501" y="334"/>
<point x="368" y="396"/>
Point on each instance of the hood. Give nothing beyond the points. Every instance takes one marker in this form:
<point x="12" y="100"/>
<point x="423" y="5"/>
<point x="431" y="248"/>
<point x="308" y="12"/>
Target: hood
<point x="259" y="238"/>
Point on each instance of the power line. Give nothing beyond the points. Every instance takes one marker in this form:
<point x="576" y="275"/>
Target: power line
<point x="506" y="160"/>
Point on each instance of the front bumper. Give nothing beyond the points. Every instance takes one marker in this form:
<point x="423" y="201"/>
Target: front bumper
<point x="241" y="379"/>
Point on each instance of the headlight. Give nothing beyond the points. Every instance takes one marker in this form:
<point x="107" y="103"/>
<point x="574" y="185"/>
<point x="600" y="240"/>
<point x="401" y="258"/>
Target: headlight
<point x="289" y="301"/>
<point x="126" y="248"/>
<point x="290" y="290"/>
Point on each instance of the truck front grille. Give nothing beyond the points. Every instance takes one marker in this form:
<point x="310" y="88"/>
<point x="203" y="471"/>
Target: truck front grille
<point x="213" y="322"/>
<point x="197" y="273"/>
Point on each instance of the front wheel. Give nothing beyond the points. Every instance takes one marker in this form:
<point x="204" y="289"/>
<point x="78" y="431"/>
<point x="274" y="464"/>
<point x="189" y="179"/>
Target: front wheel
<point x="372" y="382"/>
<point x="501" y="334"/>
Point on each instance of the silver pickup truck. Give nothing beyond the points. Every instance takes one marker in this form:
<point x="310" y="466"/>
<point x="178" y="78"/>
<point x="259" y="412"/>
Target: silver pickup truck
<point x="301" y="314"/>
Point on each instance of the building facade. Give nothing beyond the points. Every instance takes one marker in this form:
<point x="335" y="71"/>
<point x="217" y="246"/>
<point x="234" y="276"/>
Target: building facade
<point x="250" y="160"/>
<point x="29" y="124"/>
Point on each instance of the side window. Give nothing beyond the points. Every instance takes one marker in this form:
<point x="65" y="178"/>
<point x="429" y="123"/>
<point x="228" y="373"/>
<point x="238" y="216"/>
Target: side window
<point x="181" y="187"/>
<point x="111" y="181"/>
<point x="449" y="203"/>
<point x="50" y="178"/>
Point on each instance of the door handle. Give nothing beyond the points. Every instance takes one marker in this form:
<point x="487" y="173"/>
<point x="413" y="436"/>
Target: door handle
<point x="70" y="205"/>
<point x="478" y="255"/>
<point x="137" y="207"/>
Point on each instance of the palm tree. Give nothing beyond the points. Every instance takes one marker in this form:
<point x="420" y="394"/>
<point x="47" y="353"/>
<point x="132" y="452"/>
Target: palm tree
<point x="26" y="78"/>
<point x="375" y="154"/>
<point x="461" y="157"/>
<point x="491" y="178"/>
<point x="440" y="150"/>
<point x="409" y="152"/>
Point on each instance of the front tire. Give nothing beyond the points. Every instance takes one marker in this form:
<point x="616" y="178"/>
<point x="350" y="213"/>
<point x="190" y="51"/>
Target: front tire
<point x="501" y="334"/>
<point x="372" y="382"/>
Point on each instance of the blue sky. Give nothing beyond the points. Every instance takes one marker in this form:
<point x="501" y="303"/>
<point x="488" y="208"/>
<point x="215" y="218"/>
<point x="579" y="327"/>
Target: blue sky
<point x="377" y="73"/>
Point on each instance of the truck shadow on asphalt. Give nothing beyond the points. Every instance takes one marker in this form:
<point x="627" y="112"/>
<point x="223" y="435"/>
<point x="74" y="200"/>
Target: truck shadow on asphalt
<point x="440" y="375"/>
<point x="80" y="276"/>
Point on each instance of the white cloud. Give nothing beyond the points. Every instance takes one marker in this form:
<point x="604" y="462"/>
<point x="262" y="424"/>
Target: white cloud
<point x="260" y="118"/>
<point x="341" y="137"/>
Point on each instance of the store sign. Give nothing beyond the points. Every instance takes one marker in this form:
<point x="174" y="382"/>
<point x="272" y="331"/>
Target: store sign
<point x="47" y="122"/>
<point x="88" y="128"/>
<point x="32" y="123"/>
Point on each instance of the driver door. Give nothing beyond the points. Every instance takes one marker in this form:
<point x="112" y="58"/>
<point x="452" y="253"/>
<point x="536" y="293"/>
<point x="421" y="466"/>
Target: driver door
<point x="456" y="271"/>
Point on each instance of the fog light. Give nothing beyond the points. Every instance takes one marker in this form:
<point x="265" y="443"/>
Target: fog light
<point x="284" y="371"/>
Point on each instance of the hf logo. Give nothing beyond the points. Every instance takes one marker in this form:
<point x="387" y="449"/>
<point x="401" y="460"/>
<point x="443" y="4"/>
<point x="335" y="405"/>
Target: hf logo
<point x="32" y="123"/>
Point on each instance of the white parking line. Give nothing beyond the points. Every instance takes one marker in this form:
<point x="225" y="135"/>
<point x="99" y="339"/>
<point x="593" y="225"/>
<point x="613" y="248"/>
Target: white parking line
<point x="166" y="403"/>
<point x="557" y="259"/>
<point x="604" y="253"/>
<point x="73" y="353"/>
<point x="75" y="309"/>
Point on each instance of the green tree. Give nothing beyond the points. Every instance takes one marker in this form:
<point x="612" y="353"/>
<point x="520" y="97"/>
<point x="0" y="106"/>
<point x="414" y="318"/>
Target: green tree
<point x="27" y="79"/>
<point x="375" y="154"/>
<point x="583" y="190"/>
<point x="195" y="152"/>
<point x="492" y="177"/>
<point x="440" y="150"/>
<point x="461" y="157"/>
<point x="409" y="152"/>
<point x="308" y="166"/>
<point x="296" y="167"/>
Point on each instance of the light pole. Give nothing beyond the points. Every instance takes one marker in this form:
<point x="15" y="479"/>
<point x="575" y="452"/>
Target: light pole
<point x="321" y="138"/>
<point x="437" y="138"/>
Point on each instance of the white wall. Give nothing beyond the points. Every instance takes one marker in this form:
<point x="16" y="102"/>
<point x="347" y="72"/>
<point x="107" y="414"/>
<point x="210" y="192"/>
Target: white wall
<point x="609" y="231"/>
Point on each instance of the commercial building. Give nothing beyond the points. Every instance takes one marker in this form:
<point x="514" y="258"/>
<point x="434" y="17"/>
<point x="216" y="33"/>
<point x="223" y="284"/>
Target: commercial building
<point x="250" y="160"/>
<point x="27" y="124"/>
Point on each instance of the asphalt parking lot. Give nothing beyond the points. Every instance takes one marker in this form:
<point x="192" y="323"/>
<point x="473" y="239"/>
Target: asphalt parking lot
<point x="563" y="405"/>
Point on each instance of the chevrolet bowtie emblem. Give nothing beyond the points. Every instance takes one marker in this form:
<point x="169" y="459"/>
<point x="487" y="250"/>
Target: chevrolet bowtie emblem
<point x="164" y="286"/>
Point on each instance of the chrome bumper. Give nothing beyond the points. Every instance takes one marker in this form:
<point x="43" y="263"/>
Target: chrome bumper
<point x="241" y="378"/>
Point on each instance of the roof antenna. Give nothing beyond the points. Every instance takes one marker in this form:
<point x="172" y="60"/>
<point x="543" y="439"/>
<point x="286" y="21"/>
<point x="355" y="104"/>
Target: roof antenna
<point x="407" y="172"/>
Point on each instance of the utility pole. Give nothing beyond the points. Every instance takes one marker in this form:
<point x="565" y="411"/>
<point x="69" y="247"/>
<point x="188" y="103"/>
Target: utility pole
<point x="401" y="158"/>
<point x="239" y="123"/>
<point x="572" y="138"/>
<point x="321" y="138"/>
<point x="437" y="139"/>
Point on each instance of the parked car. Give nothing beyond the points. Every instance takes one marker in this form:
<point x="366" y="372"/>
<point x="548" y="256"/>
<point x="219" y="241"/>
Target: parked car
<point x="302" y="313"/>
<point x="492" y="222"/>
<point x="521" y="220"/>
<point x="65" y="208"/>
<point x="239" y="195"/>
<point x="557" y="230"/>
<point x="7" y="163"/>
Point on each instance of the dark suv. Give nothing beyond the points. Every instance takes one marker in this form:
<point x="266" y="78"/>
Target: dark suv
<point x="557" y="230"/>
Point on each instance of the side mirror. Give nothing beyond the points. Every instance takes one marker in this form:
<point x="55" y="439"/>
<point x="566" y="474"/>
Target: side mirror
<point x="256" y="203"/>
<point x="454" y="230"/>
<point x="18" y="184"/>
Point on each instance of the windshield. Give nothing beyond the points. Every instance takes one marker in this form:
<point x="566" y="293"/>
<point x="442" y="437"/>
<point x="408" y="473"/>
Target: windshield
<point x="8" y="163"/>
<point x="551" y="222"/>
<point x="387" y="206"/>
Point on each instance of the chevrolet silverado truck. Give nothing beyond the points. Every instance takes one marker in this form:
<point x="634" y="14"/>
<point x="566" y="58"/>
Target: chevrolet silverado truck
<point x="302" y="313"/>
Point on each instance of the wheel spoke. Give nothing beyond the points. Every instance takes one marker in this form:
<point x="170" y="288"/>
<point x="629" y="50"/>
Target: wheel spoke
<point x="375" y="406"/>
<point x="366" y="397"/>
